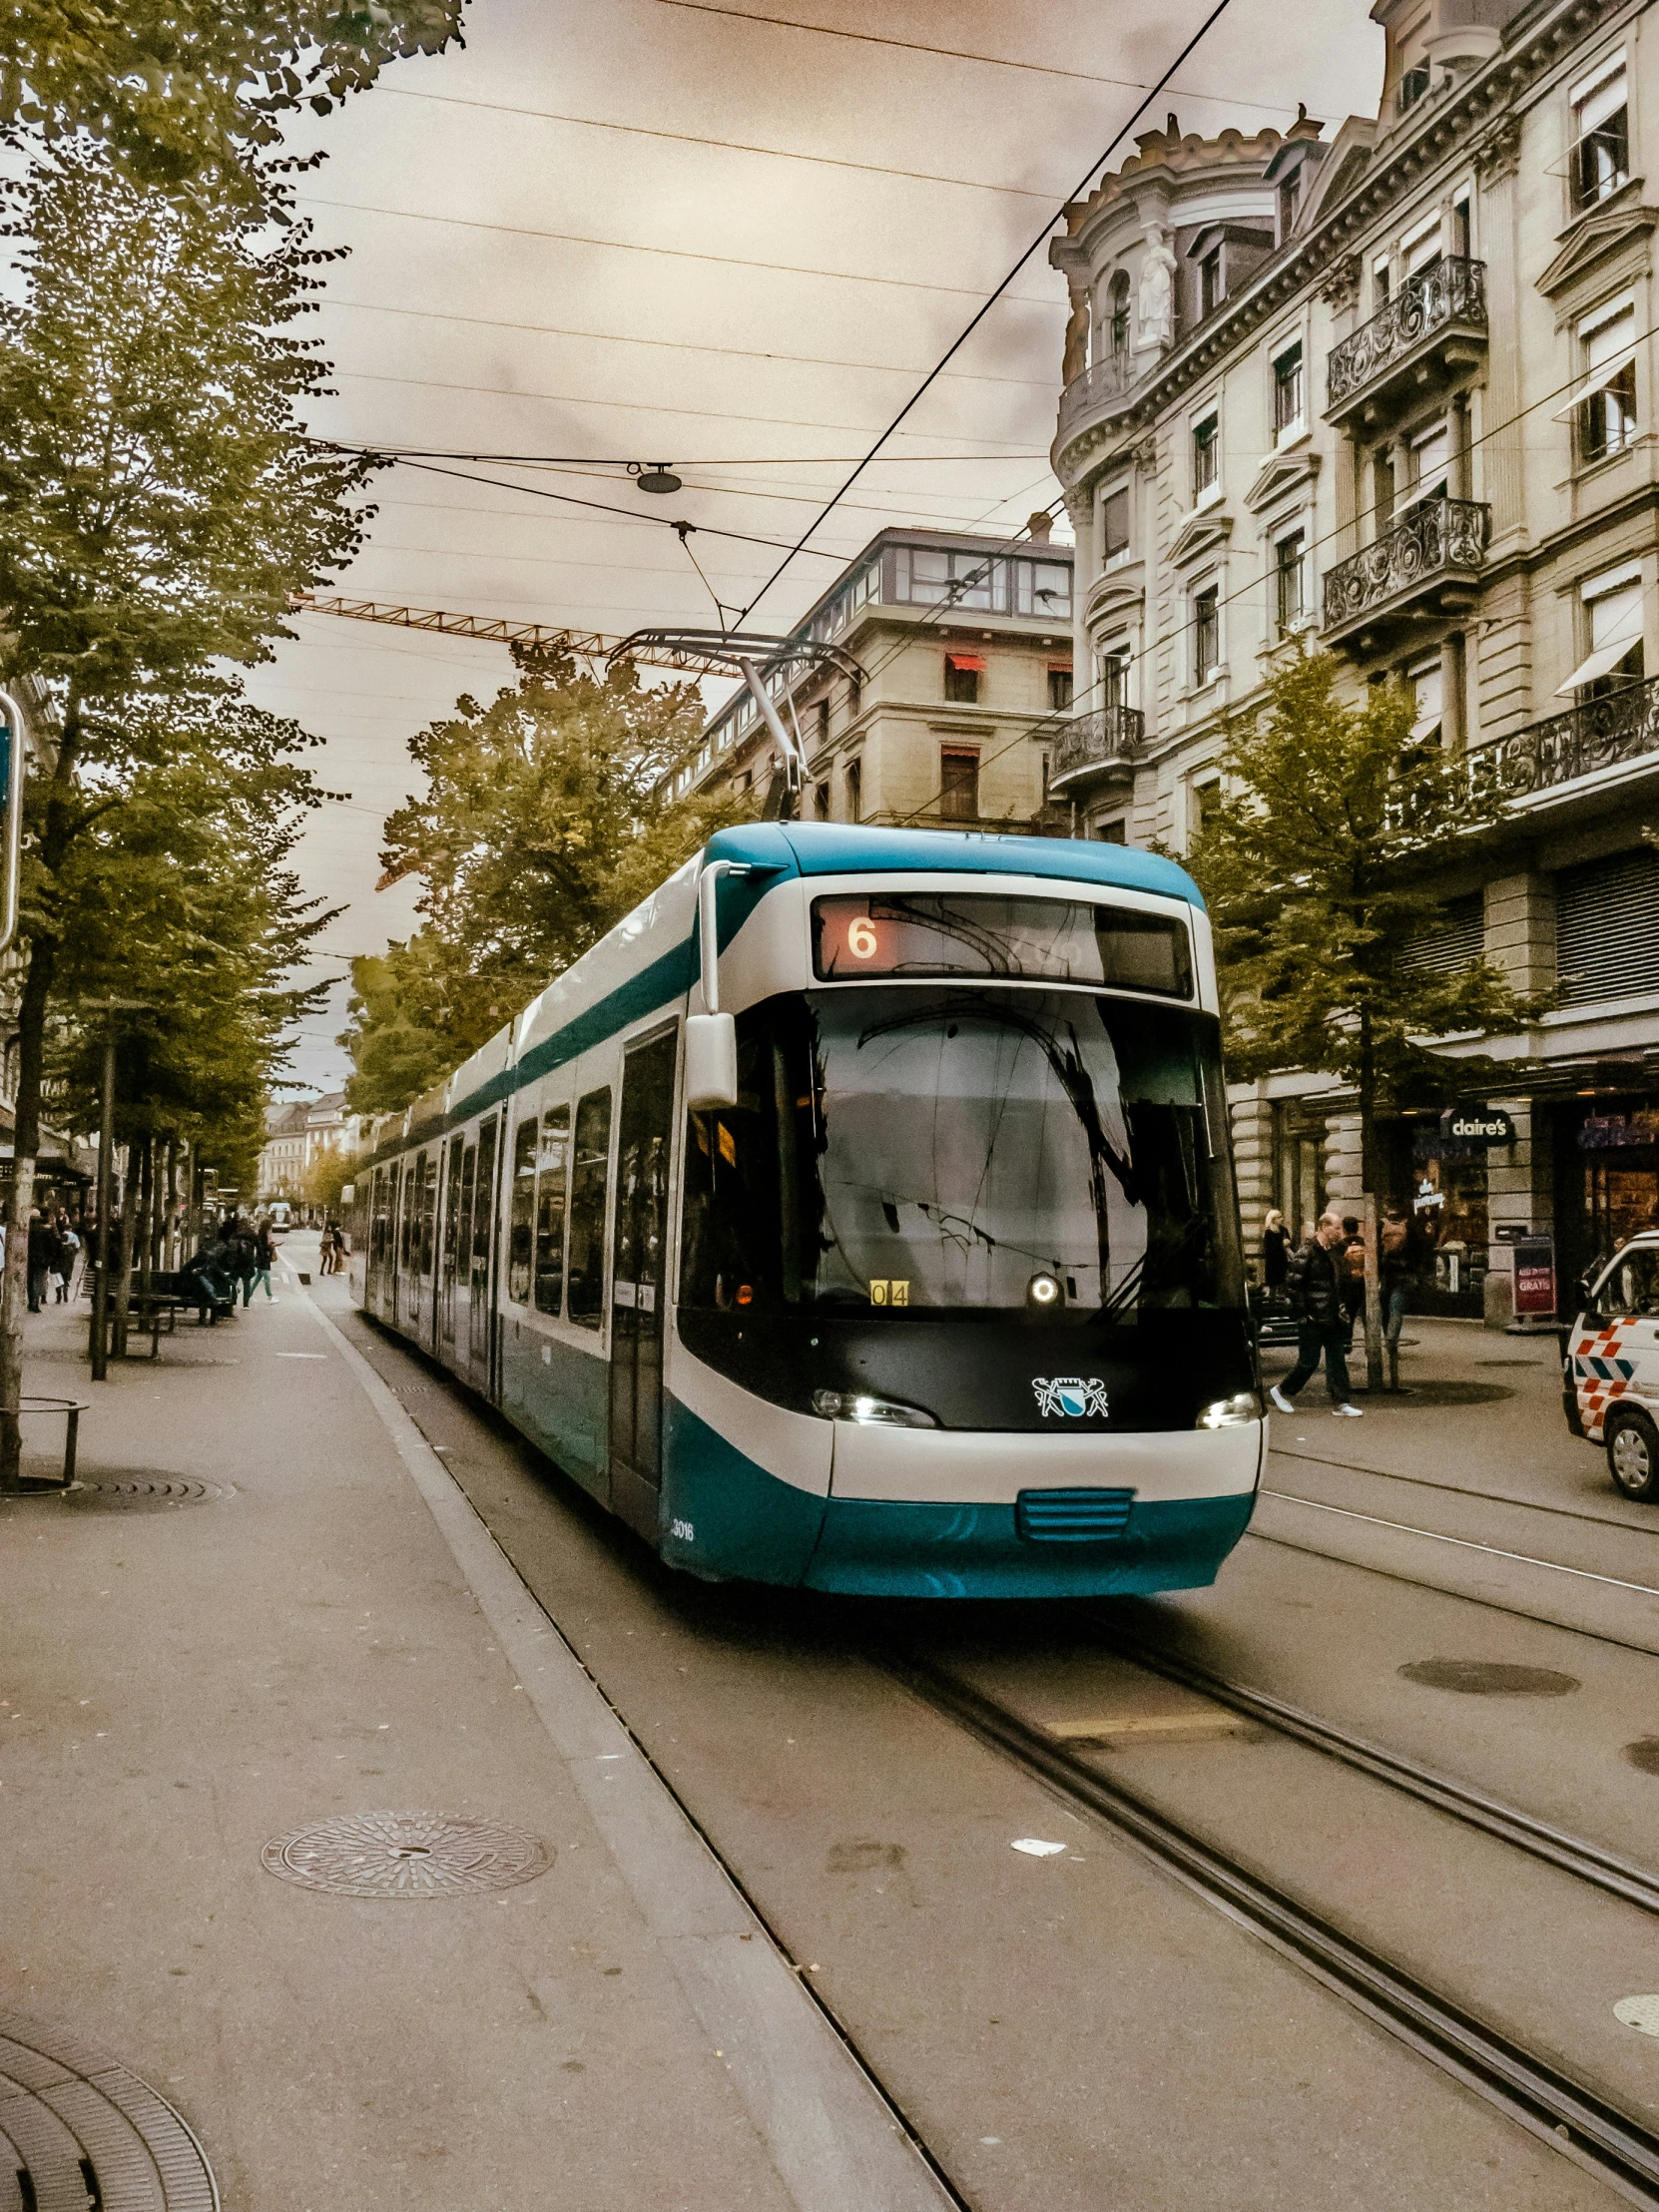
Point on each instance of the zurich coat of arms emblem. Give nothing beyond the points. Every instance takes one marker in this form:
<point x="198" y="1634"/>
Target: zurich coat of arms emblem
<point x="1069" y="1396"/>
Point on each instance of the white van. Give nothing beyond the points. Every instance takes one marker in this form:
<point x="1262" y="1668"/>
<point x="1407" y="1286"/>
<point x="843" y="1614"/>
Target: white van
<point x="1610" y="1366"/>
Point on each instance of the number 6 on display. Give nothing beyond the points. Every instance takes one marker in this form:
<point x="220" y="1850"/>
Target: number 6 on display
<point x="863" y="941"/>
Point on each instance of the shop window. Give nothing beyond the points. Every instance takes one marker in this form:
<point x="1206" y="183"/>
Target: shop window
<point x="1206" y="456"/>
<point x="1601" y="134"/>
<point x="959" y="783"/>
<point x="1605" y="402"/>
<point x="1287" y="392"/>
<point x="1059" y="689"/>
<point x="962" y="672"/>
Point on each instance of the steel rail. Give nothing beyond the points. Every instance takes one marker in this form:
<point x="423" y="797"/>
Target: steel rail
<point x="1549" y="2104"/>
<point x="1573" y="1854"/>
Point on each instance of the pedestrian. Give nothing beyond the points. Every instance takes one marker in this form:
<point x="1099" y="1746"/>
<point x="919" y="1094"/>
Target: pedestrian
<point x="265" y="1255"/>
<point x="1398" y="1258"/>
<point x="1352" y="1262"/>
<point x="244" y="1259"/>
<point x="1275" y="1251"/>
<point x="38" y="1257"/>
<point x="1315" y="1281"/>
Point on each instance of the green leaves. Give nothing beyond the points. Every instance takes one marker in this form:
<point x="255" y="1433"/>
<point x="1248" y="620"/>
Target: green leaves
<point x="179" y="91"/>
<point x="1325" y="868"/>
<point x="542" y="825"/>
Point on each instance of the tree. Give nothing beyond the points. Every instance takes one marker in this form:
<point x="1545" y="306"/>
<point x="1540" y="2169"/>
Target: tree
<point x="159" y="504"/>
<point x="1320" y="871"/>
<point x="544" y="822"/>
<point x="178" y="88"/>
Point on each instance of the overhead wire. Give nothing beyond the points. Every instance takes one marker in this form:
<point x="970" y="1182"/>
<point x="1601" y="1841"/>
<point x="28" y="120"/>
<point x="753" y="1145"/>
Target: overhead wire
<point x="669" y="253"/>
<point x="961" y="54"/>
<point x="951" y="352"/>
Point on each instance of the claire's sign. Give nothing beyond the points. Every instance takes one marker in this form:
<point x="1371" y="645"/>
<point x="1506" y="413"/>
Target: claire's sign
<point x="1480" y="1124"/>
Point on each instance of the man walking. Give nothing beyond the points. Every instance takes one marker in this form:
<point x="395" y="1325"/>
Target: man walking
<point x="1316" y="1283"/>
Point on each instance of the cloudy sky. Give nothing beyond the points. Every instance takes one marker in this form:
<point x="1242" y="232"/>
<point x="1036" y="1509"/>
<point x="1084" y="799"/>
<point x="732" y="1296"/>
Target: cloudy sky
<point x="734" y="239"/>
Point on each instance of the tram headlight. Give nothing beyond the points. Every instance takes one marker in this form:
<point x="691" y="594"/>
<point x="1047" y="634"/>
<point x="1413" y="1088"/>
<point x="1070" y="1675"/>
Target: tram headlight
<point x="1044" y="1292"/>
<point x="873" y="1413"/>
<point x="1237" y="1412"/>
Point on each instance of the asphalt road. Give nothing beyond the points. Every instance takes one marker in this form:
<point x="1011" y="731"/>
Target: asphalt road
<point x="1079" y="2029"/>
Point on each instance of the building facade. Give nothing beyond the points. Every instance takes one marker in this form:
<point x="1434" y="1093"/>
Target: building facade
<point x="963" y="648"/>
<point x="1390" y="391"/>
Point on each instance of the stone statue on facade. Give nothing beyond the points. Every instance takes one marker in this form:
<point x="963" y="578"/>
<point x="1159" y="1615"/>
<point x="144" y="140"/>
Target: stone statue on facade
<point x="1076" y="357"/>
<point x="1155" y="301"/>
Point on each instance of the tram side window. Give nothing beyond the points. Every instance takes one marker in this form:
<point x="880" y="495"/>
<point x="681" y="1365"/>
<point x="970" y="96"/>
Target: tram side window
<point x="406" y="1216"/>
<point x="585" y="1291"/>
<point x="552" y="1169"/>
<point x="428" y="1171"/>
<point x="381" y="1222"/>
<point x="452" y="1209"/>
<point x="743" y="1246"/>
<point x="522" y="1230"/>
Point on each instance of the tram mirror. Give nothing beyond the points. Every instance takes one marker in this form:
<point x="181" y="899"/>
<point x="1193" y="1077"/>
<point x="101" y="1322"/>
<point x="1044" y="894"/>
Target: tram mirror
<point x="710" y="1061"/>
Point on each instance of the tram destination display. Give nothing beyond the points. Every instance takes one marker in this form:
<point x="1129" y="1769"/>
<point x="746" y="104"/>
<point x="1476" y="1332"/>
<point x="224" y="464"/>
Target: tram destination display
<point x="964" y="935"/>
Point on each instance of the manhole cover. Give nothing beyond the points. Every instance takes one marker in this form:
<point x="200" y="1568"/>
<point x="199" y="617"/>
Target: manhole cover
<point x="407" y="1855"/>
<point x="1643" y="1754"/>
<point x="1488" y="1678"/>
<point x="126" y="1493"/>
<point x="78" y="2129"/>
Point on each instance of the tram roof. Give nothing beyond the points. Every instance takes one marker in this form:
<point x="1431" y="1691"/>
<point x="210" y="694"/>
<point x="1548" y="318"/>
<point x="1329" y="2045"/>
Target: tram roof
<point x="843" y="848"/>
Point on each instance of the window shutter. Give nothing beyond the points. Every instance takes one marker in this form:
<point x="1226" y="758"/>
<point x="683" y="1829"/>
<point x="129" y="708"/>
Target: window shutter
<point x="1607" y="929"/>
<point x="1457" y="936"/>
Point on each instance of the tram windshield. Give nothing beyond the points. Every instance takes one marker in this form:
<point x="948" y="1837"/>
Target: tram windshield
<point x="923" y="1149"/>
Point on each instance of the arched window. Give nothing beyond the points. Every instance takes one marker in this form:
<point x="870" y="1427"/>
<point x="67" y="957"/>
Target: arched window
<point x="1120" y="316"/>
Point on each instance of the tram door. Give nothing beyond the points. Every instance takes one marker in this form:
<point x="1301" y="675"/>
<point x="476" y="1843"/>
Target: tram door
<point x="481" y="1305"/>
<point x="638" y="1291"/>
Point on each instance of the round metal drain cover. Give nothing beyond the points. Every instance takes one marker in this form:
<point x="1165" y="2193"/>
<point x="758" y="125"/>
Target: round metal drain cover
<point x="1643" y="1754"/>
<point x="407" y="1855"/>
<point x="1488" y="1678"/>
<point x="136" y="1493"/>
<point x="77" y="2128"/>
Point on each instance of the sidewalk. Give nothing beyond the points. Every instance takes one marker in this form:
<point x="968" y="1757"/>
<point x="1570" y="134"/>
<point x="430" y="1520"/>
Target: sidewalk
<point x="302" y="1620"/>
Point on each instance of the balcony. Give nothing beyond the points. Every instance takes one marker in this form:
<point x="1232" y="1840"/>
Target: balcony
<point x="1428" y="564"/>
<point x="1602" y="733"/>
<point x="1094" y="392"/>
<point x="1099" y="745"/>
<point x="1435" y="326"/>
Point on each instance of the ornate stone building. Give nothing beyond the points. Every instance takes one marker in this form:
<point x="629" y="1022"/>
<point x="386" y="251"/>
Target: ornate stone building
<point x="1390" y="388"/>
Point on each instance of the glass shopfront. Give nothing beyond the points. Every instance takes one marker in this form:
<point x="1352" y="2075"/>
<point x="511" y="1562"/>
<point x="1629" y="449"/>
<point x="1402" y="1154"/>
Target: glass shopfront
<point x="1448" y="1203"/>
<point x="1609" y="1164"/>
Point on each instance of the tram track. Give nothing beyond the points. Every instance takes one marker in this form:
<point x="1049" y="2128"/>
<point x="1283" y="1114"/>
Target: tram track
<point x="1603" y="1870"/>
<point x="1559" y="2110"/>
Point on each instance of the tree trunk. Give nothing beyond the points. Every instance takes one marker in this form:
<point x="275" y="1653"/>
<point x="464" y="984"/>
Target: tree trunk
<point x="124" y="1257"/>
<point x="170" y="1249"/>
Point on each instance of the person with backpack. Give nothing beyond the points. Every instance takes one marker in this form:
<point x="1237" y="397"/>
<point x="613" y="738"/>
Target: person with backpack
<point x="1317" y="1281"/>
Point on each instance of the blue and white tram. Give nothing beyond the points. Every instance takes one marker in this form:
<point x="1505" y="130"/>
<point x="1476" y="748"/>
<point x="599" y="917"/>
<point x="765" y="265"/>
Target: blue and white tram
<point x="890" y="1248"/>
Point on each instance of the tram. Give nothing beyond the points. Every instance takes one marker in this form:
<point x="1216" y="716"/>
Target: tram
<point x="858" y="1214"/>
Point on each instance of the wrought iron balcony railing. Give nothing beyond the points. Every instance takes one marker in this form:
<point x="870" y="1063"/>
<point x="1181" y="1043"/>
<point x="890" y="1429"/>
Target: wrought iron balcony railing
<point x="1446" y="301"/>
<point x="1109" y="738"/>
<point x="1602" y="732"/>
<point x="1440" y="542"/>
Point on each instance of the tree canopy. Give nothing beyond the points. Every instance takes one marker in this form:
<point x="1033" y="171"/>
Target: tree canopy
<point x="543" y="823"/>
<point x="176" y="89"/>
